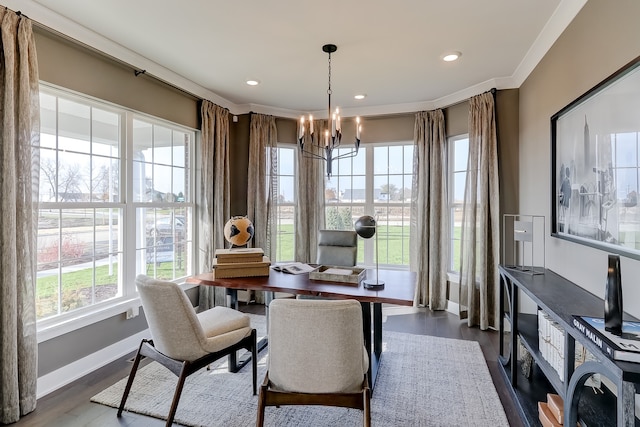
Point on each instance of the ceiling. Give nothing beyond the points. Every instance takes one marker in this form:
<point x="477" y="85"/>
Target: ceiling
<point x="389" y="51"/>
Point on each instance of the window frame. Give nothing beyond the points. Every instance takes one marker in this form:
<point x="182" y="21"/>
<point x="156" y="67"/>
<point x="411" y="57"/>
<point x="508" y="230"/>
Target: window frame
<point x="65" y="322"/>
<point x="453" y="275"/>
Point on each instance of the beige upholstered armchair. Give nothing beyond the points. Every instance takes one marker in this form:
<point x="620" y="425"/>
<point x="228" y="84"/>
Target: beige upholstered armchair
<point x="183" y="341"/>
<point x="316" y="356"/>
<point x="337" y="247"/>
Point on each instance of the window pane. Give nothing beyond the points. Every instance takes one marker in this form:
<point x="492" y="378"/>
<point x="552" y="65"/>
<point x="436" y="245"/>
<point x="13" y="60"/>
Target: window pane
<point x="73" y="177"/>
<point x="359" y="162"/>
<point x="381" y="188"/>
<point x="408" y="158"/>
<point x="180" y="148"/>
<point x="286" y="187"/>
<point x="461" y="154"/>
<point x="396" y="159"/>
<point x="459" y="183"/>
<point x="163" y="238"/>
<point x="285" y="161"/>
<point x="78" y="256"/>
<point x="74" y="126"/>
<point x="380" y="160"/>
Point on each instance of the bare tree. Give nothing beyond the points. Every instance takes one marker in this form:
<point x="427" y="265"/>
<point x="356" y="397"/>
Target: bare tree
<point x="69" y="181"/>
<point x="49" y="170"/>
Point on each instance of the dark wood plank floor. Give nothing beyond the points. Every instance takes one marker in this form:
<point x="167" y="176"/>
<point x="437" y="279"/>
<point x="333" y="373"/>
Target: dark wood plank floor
<point x="70" y="405"/>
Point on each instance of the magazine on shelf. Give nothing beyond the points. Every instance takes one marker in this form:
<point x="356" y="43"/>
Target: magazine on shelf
<point x="294" y="268"/>
<point x="625" y="347"/>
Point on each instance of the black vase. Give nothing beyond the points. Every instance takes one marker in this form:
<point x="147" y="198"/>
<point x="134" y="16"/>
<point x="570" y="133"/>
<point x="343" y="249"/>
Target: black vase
<point x="613" y="297"/>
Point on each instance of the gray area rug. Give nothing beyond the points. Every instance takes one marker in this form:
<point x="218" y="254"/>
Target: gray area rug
<point x="422" y="381"/>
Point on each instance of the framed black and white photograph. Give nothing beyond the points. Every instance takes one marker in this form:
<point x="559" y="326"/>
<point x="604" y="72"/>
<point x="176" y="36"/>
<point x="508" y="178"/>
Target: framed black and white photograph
<point x="595" y="170"/>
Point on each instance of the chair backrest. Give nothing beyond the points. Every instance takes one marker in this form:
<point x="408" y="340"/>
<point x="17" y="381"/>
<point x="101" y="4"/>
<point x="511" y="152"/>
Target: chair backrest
<point x="337" y="247"/>
<point x="172" y="320"/>
<point x="316" y="346"/>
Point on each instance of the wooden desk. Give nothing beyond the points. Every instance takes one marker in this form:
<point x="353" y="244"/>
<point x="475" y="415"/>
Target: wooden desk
<point x="399" y="289"/>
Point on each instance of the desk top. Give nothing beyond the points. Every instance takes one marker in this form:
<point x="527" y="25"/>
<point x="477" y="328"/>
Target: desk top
<point x="399" y="286"/>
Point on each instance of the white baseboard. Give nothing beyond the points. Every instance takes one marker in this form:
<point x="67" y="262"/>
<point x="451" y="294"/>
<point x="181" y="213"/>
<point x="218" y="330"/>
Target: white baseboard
<point x="453" y="307"/>
<point x="60" y="377"/>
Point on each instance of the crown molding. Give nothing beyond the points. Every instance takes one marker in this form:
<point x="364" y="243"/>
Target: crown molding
<point x="559" y="21"/>
<point x="51" y="21"/>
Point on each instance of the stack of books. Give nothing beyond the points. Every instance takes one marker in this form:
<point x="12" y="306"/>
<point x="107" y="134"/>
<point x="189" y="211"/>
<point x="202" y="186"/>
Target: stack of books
<point x="240" y="262"/>
<point x="623" y="347"/>
<point x="551" y="342"/>
<point x="551" y="412"/>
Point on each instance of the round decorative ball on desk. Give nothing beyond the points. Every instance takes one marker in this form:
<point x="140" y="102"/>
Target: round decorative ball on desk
<point x="365" y="226"/>
<point x="238" y="231"/>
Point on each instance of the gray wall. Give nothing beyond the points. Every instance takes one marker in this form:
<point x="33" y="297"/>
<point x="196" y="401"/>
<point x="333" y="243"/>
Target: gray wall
<point x="603" y="37"/>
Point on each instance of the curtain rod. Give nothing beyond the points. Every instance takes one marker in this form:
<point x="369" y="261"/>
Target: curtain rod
<point x="136" y="70"/>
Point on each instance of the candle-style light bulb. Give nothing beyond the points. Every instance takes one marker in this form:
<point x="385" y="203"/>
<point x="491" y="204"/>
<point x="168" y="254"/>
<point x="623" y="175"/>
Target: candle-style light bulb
<point x="358" y="127"/>
<point x="326" y="138"/>
<point x="333" y="125"/>
<point x="310" y="124"/>
<point x="301" y="133"/>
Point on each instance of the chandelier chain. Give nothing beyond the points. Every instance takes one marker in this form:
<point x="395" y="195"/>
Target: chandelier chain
<point x="329" y="90"/>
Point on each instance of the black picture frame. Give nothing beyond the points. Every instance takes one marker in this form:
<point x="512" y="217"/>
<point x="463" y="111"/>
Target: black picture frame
<point x="595" y="165"/>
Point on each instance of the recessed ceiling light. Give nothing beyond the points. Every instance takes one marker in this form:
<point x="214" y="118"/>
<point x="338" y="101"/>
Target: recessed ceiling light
<point x="253" y="82"/>
<point x="451" y="56"/>
<point x="360" y="96"/>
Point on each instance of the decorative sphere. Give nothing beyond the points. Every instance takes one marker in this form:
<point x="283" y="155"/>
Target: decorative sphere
<point x="238" y="230"/>
<point x="365" y="226"/>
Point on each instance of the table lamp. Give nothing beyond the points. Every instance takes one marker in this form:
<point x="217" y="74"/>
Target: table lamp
<point x="366" y="227"/>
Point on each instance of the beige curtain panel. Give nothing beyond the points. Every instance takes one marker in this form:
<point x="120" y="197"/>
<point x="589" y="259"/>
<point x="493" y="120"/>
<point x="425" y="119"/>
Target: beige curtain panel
<point x="262" y="176"/>
<point x="262" y="180"/>
<point x="310" y="209"/>
<point x="480" y="242"/>
<point x="429" y="210"/>
<point x="19" y="175"/>
<point x="214" y="190"/>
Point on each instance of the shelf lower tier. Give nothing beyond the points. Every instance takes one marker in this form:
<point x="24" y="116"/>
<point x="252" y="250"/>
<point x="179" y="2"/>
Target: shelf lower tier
<point x="593" y="409"/>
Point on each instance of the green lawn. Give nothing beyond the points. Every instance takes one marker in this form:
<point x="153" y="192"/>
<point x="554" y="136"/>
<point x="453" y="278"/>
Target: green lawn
<point x="390" y="240"/>
<point x="77" y="290"/>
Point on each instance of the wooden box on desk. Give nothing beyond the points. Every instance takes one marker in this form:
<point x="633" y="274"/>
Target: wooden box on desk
<point x="239" y="255"/>
<point x="347" y="275"/>
<point x="241" y="269"/>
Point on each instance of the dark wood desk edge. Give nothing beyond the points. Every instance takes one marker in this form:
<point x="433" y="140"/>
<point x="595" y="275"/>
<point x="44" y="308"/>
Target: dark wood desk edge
<point x="252" y="283"/>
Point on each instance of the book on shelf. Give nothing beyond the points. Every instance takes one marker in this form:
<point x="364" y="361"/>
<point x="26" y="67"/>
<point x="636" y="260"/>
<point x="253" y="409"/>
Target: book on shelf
<point x="294" y="268"/>
<point x="624" y="347"/>
<point x="239" y="255"/>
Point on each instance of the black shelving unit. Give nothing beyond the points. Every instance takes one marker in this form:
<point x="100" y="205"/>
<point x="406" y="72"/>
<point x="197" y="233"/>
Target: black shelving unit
<point x="561" y="299"/>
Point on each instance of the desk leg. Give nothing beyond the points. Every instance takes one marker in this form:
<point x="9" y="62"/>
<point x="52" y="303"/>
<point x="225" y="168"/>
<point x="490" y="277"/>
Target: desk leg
<point x="232" y="300"/>
<point x="374" y="344"/>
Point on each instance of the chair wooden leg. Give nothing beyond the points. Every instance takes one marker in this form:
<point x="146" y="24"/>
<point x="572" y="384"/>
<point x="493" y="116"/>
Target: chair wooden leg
<point x="261" y="405"/>
<point x="132" y="374"/>
<point x="254" y="360"/>
<point x="366" y="407"/>
<point x="177" y="393"/>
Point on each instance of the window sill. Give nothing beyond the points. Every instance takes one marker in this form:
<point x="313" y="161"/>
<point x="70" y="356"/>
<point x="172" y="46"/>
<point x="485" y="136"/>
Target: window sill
<point x="51" y="328"/>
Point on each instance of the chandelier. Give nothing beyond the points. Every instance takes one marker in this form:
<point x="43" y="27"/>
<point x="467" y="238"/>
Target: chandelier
<point x="330" y="141"/>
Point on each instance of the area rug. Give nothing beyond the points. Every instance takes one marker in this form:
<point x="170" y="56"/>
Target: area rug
<point x="422" y="381"/>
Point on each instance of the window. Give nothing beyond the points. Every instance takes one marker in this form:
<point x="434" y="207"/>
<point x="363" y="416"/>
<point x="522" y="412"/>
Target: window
<point x="457" y="177"/>
<point x="285" y="244"/>
<point x="103" y="219"/>
<point x="376" y="182"/>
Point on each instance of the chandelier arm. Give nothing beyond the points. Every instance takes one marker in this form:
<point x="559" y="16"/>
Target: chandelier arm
<point x="313" y="155"/>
